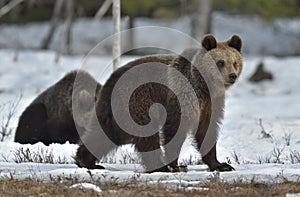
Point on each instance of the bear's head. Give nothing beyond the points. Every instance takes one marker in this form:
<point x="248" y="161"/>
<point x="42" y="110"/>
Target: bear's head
<point x="227" y="57"/>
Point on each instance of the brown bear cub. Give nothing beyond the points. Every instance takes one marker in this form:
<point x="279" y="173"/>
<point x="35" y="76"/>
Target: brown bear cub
<point x="49" y="118"/>
<point x="219" y="62"/>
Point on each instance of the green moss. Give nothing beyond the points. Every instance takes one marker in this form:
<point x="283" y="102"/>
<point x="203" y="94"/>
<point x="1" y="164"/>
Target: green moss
<point x="268" y="9"/>
<point x="165" y="13"/>
<point x="169" y="9"/>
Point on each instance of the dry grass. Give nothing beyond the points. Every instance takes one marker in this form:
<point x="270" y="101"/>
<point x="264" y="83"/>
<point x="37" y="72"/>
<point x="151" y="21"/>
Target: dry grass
<point x="41" y="155"/>
<point x="30" y="187"/>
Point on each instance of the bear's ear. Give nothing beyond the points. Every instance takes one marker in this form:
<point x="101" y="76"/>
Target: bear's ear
<point x="235" y="42"/>
<point x="209" y="42"/>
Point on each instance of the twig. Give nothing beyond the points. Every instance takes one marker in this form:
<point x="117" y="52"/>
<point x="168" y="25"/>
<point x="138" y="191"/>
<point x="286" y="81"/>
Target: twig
<point x="5" y="126"/>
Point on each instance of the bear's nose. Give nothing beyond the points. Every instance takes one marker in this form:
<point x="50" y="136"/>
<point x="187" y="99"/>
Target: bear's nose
<point x="232" y="77"/>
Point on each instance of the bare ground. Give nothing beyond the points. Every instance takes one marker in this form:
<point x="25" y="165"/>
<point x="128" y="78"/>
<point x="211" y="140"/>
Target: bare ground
<point x="29" y="187"/>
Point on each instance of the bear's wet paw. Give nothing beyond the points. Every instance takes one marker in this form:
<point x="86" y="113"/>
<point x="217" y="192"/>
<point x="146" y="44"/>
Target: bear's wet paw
<point x="177" y="168"/>
<point x="223" y="167"/>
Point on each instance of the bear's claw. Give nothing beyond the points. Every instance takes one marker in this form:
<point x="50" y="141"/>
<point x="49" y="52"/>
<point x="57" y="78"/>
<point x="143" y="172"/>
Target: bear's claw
<point x="223" y="167"/>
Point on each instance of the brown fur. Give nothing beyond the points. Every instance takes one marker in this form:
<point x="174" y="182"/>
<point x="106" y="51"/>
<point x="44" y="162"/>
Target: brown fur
<point x="188" y="63"/>
<point x="260" y="74"/>
<point x="49" y="118"/>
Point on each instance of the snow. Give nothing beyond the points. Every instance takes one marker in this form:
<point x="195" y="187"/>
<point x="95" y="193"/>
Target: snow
<point x="275" y="103"/>
<point x="292" y="195"/>
<point x="246" y="173"/>
<point x="87" y="186"/>
<point x="60" y="152"/>
<point x="258" y="35"/>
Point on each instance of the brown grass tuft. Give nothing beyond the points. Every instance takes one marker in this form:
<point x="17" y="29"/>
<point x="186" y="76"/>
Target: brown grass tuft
<point x="29" y="187"/>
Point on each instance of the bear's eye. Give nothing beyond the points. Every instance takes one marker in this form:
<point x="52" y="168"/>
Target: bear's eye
<point x="220" y="63"/>
<point x="235" y="65"/>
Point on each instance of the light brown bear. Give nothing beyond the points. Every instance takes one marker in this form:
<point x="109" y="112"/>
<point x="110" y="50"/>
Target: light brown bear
<point x="209" y="70"/>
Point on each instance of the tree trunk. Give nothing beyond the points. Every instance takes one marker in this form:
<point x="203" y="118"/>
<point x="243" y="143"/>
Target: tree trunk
<point x="117" y="35"/>
<point x="54" y="22"/>
<point x="5" y="9"/>
<point x="69" y="21"/>
<point x="201" y="18"/>
<point x="103" y="9"/>
<point x="129" y="22"/>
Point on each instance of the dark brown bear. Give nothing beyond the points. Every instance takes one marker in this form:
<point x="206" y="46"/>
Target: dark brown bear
<point x="220" y="62"/>
<point x="49" y="117"/>
<point x="260" y="74"/>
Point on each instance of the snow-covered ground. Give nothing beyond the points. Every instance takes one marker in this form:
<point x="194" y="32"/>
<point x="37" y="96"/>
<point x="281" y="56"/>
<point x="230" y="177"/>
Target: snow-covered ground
<point x="275" y="103"/>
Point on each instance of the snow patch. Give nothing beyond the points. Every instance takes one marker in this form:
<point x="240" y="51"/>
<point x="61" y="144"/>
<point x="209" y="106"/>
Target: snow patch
<point x="87" y="186"/>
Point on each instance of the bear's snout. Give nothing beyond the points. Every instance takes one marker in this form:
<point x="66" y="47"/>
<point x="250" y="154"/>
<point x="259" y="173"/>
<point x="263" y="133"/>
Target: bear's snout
<point x="232" y="77"/>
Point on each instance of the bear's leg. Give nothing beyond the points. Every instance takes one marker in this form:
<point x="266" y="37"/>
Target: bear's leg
<point x="206" y="139"/>
<point x="149" y="148"/>
<point x="84" y="158"/>
<point x="211" y="160"/>
<point x="32" y="125"/>
<point x="62" y="129"/>
<point x="172" y="144"/>
<point x="95" y="144"/>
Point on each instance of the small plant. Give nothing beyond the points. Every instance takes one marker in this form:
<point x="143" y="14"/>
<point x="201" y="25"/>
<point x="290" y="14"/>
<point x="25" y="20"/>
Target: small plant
<point x="191" y="160"/>
<point x="40" y="156"/>
<point x="127" y="158"/>
<point x="235" y="156"/>
<point x="295" y="157"/>
<point x="287" y="138"/>
<point x="277" y="152"/>
<point x="266" y="159"/>
<point x="280" y="176"/>
<point x="264" y="133"/>
<point x="5" y="129"/>
<point x="120" y="156"/>
<point x="214" y="177"/>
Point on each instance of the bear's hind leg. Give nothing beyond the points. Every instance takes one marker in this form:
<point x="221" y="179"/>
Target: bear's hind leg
<point x="149" y="148"/>
<point x="32" y="126"/>
<point x="172" y="144"/>
<point x="95" y="145"/>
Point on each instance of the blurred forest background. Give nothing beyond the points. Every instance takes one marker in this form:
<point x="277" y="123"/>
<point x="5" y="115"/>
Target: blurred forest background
<point x="62" y="22"/>
<point x="41" y="10"/>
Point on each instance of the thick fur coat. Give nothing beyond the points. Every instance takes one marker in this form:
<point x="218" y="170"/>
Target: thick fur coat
<point x="49" y="118"/>
<point x="209" y="71"/>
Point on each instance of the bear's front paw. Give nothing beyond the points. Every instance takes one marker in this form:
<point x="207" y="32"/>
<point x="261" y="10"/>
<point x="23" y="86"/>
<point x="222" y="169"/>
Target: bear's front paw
<point x="177" y="168"/>
<point x="169" y="168"/>
<point x="98" y="167"/>
<point x="161" y="169"/>
<point x="223" y="167"/>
